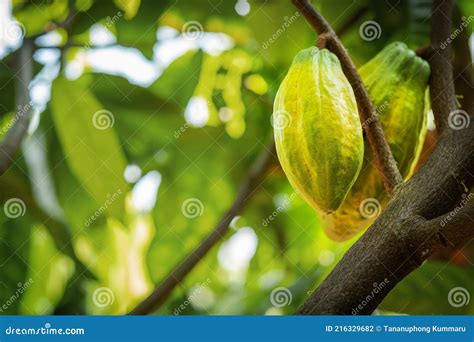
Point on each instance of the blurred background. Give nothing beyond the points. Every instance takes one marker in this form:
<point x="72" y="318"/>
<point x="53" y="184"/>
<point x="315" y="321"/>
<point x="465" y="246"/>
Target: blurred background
<point x="146" y="119"/>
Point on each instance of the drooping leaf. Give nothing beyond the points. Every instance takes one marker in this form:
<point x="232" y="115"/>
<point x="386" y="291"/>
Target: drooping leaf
<point x="179" y="79"/>
<point x="129" y="7"/>
<point x="90" y="144"/>
<point x="119" y="263"/>
<point x="35" y="17"/>
<point x="48" y="271"/>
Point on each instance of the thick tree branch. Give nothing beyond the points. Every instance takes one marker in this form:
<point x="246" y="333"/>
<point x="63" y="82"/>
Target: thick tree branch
<point x="453" y="229"/>
<point x="10" y="145"/>
<point x="409" y="230"/>
<point x="385" y="162"/>
<point x="443" y="100"/>
<point x="399" y="240"/>
<point x="248" y="188"/>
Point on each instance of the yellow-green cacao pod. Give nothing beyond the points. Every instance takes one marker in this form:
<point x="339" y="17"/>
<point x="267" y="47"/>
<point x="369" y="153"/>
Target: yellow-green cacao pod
<point x="397" y="82"/>
<point x="318" y="134"/>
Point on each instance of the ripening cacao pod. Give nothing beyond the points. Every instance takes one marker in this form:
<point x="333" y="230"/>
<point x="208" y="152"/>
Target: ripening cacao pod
<point x="397" y="82"/>
<point x="317" y="129"/>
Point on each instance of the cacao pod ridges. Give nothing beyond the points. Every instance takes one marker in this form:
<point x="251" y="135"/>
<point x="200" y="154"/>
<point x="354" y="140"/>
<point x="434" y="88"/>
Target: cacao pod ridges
<point x="317" y="129"/>
<point x="397" y="82"/>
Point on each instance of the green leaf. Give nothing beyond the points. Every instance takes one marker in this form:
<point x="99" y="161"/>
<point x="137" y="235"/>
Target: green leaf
<point x="14" y="256"/>
<point x="179" y="79"/>
<point x="90" y="144"/>
<point x="78" y="205"/>
<point x="37" y="16"/>
<point x="139" y="30"/>
<point x="48" y="274"/>
<point x="143" y="120"/>
<point x="130" y="7"/>
<point x="83" y="5"/>
<point x="117" y="256"/>
<point x="467" y="9"/>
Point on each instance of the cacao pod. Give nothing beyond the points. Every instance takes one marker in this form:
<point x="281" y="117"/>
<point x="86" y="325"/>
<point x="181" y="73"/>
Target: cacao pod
<point x="317" y="129"/>
<point x="397" y="82"/>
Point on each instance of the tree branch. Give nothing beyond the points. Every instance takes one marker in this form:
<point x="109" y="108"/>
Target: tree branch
<point x="409" y="230"/>
<point x="453" y="229"/>
<point x="10" y="145"/>
<point x="246" y="191"/>
<point x="399" y="240"/>
<point x="385" y="162"/>
<point x="443" y="100"/>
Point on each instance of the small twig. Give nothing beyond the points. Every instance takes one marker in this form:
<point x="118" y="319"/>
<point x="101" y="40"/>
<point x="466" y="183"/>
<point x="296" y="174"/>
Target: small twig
<point x="251" y="184"/>
<point x="323" y="40"/>
<point x="424" y="52"/>
<point x="443" y="99"/>
<point x="385" y="162"/>
<point x="10" y="145"/>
